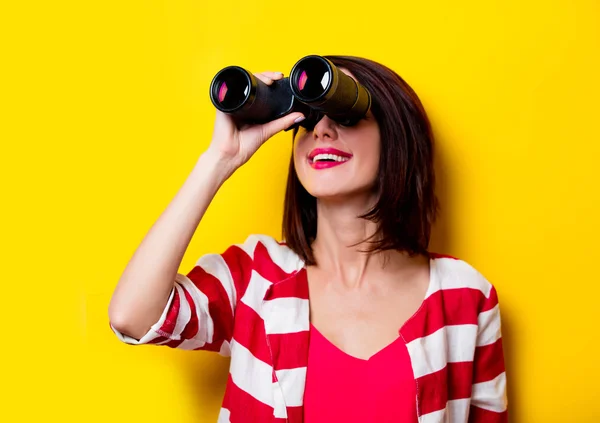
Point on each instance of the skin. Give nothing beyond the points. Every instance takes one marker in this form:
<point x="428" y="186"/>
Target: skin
<point x="356" y="302"/>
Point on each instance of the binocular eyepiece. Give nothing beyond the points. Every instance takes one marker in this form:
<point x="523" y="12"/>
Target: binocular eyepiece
<point x="315" y="87"/>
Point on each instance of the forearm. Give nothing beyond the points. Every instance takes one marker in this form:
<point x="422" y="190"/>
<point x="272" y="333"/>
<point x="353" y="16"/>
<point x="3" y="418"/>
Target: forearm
<point x="146" y="283"/>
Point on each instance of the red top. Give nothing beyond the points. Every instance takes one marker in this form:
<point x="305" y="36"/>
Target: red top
<point x="343" y="388"/>
<point x="454" y="340"/>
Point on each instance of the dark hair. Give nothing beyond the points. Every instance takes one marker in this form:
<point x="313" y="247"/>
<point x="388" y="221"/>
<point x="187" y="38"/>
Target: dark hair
<point x="407" y="205"/>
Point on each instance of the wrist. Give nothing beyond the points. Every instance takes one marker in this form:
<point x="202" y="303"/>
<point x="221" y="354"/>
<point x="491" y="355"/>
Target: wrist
<point x="216" y="164"/>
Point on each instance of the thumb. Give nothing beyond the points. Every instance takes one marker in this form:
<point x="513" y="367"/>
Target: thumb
<point x="277" y="125"/>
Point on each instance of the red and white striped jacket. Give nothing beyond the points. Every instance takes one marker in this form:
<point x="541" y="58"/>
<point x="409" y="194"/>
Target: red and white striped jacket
<point x="251" y="303"/>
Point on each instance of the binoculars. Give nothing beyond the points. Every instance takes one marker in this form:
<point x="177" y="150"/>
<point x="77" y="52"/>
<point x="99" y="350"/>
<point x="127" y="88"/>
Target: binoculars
<point x="315" y="87"/>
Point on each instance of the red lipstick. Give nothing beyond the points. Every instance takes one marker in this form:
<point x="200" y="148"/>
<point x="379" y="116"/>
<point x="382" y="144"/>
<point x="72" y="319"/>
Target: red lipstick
<point x="327" y="157"/>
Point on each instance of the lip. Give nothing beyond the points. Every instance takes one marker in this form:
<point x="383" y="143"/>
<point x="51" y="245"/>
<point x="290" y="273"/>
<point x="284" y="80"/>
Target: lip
<point x="326" y="165"/>
<point x="328" y="151"/>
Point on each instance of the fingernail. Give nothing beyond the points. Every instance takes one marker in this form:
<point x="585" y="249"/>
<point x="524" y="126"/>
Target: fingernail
<point x="279" y="73"/>
<point x="300" y="119"/>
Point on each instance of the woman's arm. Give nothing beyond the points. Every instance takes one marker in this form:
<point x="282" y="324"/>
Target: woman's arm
<point x="141" y="296"/>
<point x="146" y="283"/>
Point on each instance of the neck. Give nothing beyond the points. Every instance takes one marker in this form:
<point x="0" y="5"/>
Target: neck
<point x="339" y="244"/>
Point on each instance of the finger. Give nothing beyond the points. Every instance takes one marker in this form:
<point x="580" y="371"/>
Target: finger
<point x="275" y="126"/>
<point x="273" y="75"/>
<point x="264" y="78"/>
<point x="221" y="116"/>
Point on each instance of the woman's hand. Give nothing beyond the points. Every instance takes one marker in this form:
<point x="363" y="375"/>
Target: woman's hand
<point x="232" y="146"/>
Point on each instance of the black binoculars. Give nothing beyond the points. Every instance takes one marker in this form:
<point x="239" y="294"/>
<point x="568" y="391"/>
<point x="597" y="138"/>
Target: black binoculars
<point x="315" y="87"/>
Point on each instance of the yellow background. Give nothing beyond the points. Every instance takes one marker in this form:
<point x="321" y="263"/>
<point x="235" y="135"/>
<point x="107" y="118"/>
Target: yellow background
<point x="105" y="110"/>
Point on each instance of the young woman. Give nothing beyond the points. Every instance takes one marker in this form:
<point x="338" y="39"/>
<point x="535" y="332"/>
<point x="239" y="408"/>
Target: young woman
<point x="349" y="319"/>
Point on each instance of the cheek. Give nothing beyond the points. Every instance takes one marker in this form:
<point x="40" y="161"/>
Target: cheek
<point x="370" y="155"/>
<point x="299" y="152"/>
<point x="297" y="165"/>
<point x="295" y="155"/>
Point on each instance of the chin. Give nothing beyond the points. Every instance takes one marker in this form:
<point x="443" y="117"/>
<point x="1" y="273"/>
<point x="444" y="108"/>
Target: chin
<point x="339" y="193"/>
<point x="329" y="194"/>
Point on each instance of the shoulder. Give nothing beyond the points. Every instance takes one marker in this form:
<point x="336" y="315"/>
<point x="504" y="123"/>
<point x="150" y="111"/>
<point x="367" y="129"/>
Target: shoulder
<point x="266" y="250"/>
<point x="455" y="273"/>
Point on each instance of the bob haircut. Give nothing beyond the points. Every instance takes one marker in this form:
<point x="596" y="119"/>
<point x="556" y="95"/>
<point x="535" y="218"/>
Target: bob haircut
<point x="407" y="206"/>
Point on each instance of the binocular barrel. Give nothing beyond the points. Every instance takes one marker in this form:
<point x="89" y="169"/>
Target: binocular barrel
<point x="317" y="82"/>
<point x="315" y="87"/>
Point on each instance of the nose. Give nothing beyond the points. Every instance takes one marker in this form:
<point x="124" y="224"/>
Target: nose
<point x="325" y="128"/>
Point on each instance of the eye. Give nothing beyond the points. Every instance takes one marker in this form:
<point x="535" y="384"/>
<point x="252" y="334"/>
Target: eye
<point x="348" y="125"/>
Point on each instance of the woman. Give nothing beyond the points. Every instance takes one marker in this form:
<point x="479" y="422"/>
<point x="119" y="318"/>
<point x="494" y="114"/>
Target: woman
<point x="351" y="318"/>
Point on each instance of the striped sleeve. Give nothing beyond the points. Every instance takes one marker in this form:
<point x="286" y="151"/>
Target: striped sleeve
<point x="199" y="314"/>
<point x="488" y="397"/>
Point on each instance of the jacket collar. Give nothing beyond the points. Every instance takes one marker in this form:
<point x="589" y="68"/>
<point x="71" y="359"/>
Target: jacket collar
<point x="286" y="315"/>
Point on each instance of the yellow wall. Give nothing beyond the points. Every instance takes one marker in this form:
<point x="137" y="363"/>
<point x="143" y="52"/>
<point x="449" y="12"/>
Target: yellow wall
<point x="106" y="111"/>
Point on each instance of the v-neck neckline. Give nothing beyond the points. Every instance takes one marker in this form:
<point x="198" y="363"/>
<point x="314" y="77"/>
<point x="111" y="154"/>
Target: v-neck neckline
<point x="340" y="351"/>
<point x="431" y="286"/>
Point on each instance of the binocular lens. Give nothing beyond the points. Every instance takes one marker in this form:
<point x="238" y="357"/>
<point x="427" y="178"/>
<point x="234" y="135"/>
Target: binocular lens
<point x="312" y="79"/>
<point x="231" y="88"/>
<point x="315" y="87"/>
